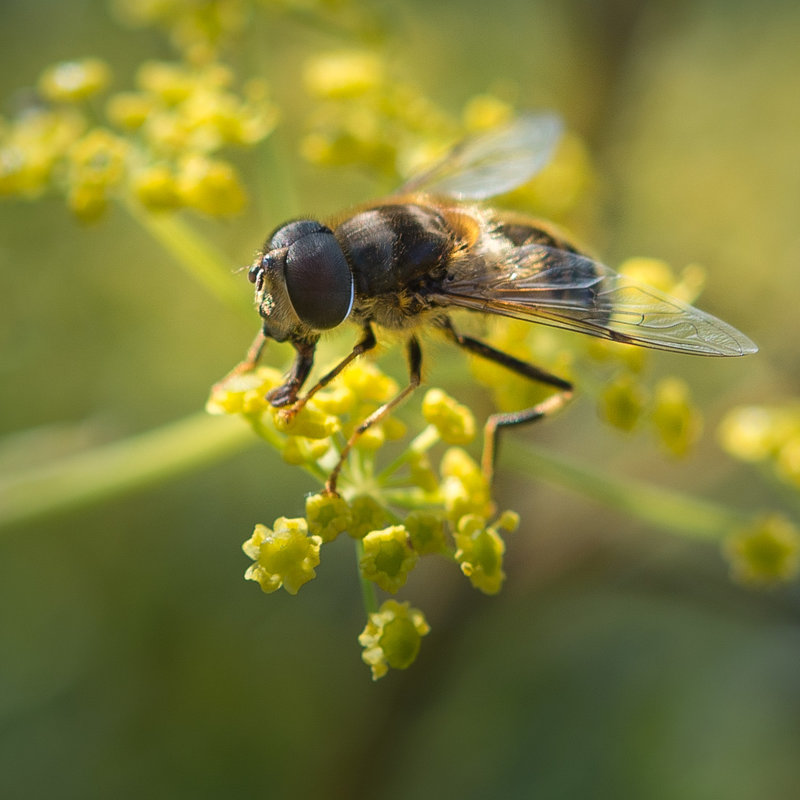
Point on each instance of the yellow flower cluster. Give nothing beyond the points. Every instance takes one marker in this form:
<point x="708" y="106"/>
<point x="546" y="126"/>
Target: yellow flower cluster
<point x="160" y="147"/>
<point x="455" y="520"/>
<point x="768" y="434"/>
<point x="196" y="29"/>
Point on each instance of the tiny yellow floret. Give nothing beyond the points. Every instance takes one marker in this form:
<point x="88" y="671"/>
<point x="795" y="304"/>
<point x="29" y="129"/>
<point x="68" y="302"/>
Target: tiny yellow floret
<point x="328" y="515"/>
<point x="310" y="421"/>
<point x="392" y="637"/>
<point x="388" y="557"/>
<point x="480" y="553"/>
<point x="464" y="486"/>
<point x="454" y="421"/>
<point x="426" y="532"/>
<point x="366" y="514"/>
<point x="284" y="556"/>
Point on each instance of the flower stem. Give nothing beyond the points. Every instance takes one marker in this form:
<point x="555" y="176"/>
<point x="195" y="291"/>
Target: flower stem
<point x="120" y="467"/>
<point x="665" y="508"/>
<point x="367" y="587"/>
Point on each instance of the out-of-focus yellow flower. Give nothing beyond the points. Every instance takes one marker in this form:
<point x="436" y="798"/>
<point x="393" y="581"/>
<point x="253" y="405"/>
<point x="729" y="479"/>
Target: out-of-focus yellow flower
<point x="426" y="532"/>
<point x="32" y="144"/>
<point x="623" y="402"/>
<point x="676" y="419"/>
<point x="534" y="344"/>
<point x="130" y="110"/>
<point x="454" y="421"/>
<point x="336" y="400"/>
<point x="392" y="637"/>
<point x="198" y="29"/>
<point x="327" y="515"/>
<point x="464" y="487"/>
<point x="754" y="433"/>
<point x="156" y="188"/>
<point x="388" y="557"/>
<point x="787" y="461"/>
<point x="422" y="472"/>
<point x="486" y="111"/>
<point x="168" y="81"/>
<point x="368" y="382"/>
<point x="344" y="73"/>
<point x="243" y="392"/>
<point x="98" y="158"/>
<point x="658" y="274"/>
<point x="73" y="81"/>
<point x="765" y="553"/>
<point x="366" y="514"/>
<point x="285" y="556"/>
<point x="556" y="190"/>
<point x="480" y="553"/>
<point x="87" y="201"/>
<point x="211" y="186"/>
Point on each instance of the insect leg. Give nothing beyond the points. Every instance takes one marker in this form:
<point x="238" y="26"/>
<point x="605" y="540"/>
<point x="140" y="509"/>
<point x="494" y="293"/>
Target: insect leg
<point x="415" y="378"/>
<point x="367" y="342"/>
<point x="286" y="394"/>
<point x="548" y="406"/>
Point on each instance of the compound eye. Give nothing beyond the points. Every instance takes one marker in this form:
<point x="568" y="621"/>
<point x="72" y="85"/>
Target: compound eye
<point x="319" y="281"/>
<point x="290" y="232"/>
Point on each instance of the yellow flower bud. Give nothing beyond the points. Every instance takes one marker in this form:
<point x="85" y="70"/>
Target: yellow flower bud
<point x="309" y="421"/>
<point x="455" y="422"/>
<point x="480" y="553"/>
<point x="285" y="556"/>
<point x="328" y="515"/>
<point x="366" y="514"/>
<point x="388" y="557"/>
<point x="426" y="531"/>
<point x="392" y="637"/>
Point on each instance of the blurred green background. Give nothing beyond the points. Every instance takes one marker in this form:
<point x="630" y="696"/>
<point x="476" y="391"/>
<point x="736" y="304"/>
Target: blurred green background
<point x="617" y="662"/>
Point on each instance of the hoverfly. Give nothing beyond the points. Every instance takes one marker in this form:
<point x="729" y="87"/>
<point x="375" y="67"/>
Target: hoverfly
<point x="405" y="261"/>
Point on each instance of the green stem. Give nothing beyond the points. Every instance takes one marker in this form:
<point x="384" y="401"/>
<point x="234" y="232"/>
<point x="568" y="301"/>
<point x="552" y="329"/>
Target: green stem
<point x="120" y="467"/>
<point x="367" y="587"/>
<point x="665" y="508"/>
<point x="420" y="444"/>
<point x="195" y="254"/>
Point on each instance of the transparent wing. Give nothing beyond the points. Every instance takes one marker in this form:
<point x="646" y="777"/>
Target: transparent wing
<point x="567" y="290"/>
<point x="495" y="162"/>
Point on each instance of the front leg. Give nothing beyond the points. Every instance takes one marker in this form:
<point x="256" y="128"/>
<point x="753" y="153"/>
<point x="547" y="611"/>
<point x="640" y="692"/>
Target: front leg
<point x="286" y="394"/>
<point x="367" y="342"/>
